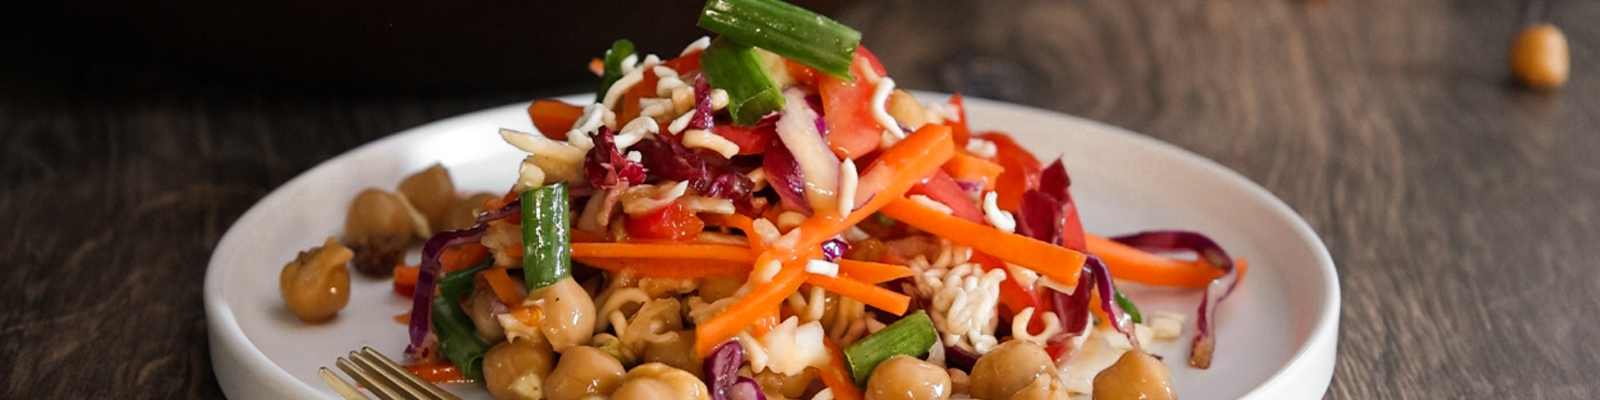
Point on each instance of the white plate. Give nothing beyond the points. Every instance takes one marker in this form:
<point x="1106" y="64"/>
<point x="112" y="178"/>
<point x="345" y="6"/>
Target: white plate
<point x="1277" y="333"/>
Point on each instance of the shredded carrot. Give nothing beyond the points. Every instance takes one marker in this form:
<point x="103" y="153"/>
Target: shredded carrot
<point x="742" y="314"/>
<point x="403" y="318"/>
<point x="530" y="316"/>
<point x="1127" y="262"/>
<point x="405" y="279"/>
<point x="766" y="323"/>
<point x="661" y="250"/>
<point x="837" y="375"/>
<point x="872" y="272"/>
<point x="597" y="66"/>
<point x="1058" y="263"/>
<point x="872" y="295"/>
<point x="460" y="258"/>
<point x="498" y="203"/>
<point x="967" y="167"/>
<point x="500" y="283"/>
<point x="673" y="268"/>
<point x="736" y="221"/>
<point x="438" y="373"/>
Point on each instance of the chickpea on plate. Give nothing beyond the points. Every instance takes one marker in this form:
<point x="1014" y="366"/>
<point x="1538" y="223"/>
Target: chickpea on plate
<point x="765" y="215"/>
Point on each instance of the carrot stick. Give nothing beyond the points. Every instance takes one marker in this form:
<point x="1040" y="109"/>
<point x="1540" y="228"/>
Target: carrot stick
<point x="742" y="314"/>
<point x="872" y="272"/>
<point x="443" y="372"/>
<point x="968" y="167"/>
<point x="1131" y="263"/>
<point x="553" y="117"/>
<point x="500" y="283"/>
<point x="889" y="177"/>
<point x="872" y="295"/>
<point x="837" y="376"/>
<point x="658" y="250"/>
<point x="1058" y="263"/>
<point x="675" y="268"/>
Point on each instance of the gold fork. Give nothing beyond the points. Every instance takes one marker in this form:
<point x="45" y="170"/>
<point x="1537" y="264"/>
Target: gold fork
<point x="381" y="376"/>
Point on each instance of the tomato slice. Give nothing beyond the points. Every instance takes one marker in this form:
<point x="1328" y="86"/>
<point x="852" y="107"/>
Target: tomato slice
<point x="685" y="63"/>
<point x="959" y="131"/>
<point x="751" y="140"/>
<point x="1021" y="170"/>
<point x="939" y="187"/>
<point x="1013" y="295"/>
<point x="553" y="117"/>
<point x="673" y="222"/>
<point x="1072" y="235"/>
<point x="847" y="107"/>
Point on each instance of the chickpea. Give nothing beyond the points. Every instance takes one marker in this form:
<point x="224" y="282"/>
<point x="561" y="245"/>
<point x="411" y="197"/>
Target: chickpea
<point x="584" y="372"/>
<point x="316" y="285"/>
<point x="644" y="389"/>
<point x="1008" y="368"/>
<point x="1539" y="57"/>
<point x="907" y="378"/>
<point x="677" y="352"/>
<point x="464" y="213"/>
<point x="568" y="314"/>
<point x="788" y="386"/>
<point x="432" y="193"/>
<point x="1136" y="375"/>
<point x="480" y="308"/>
<point x="906" y="110"/>
<point x="1043" y="388"/>
<point x="375" y="212"/>
<point x="718" y="288"/>
<point x="378" y="228"/>
<point x="516" y="370"/>
<point x="678" y="384"/>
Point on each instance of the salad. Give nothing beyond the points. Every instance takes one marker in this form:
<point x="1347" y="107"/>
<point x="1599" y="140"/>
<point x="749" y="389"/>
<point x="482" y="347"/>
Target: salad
<point x="765" y="215"/>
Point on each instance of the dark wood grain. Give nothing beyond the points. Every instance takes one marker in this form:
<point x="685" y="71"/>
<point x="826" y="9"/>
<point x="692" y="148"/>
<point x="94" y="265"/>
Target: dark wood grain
<point x="1462" y="210"/>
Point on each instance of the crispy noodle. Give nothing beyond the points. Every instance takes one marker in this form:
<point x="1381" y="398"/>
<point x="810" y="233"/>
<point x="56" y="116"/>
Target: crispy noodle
<point x="962" y="297"/>
<point x="1019" y="326"/>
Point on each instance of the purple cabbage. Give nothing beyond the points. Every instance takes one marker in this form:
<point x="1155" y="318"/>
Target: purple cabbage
<point x="834" y="249"/>
<point x="1073" y="309"/>
<point x="667" y="158"/>
<point x="744" y="389"/>
<point x="1039" y="217"/>
<point x="783" y="175"/>
<point x="605" y="166"/>
<point x="1205" y="339"/>
<point x="702" y="104"/>
<point x="958" y="358"/>
<point x="428" y="276"/>
<point x="722" y="374"/>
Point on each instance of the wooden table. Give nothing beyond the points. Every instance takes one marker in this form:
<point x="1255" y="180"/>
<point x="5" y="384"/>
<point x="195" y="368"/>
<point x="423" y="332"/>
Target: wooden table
<point x="1461" y="209"/>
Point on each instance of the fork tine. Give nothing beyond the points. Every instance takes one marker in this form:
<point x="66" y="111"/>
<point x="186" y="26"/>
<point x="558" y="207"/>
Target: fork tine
<point x="340" y="386"/>
<point x="382" y="391"/>
<point x="392" y="370"/>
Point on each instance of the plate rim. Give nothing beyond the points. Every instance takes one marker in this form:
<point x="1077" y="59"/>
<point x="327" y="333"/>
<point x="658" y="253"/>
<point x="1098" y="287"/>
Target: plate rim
<point x="1316" y="356"/>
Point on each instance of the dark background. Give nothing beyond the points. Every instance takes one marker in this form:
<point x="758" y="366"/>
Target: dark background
<point x="1460" y="208"/>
